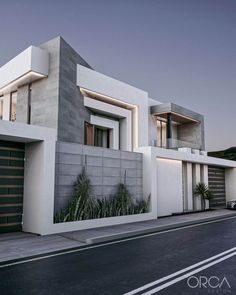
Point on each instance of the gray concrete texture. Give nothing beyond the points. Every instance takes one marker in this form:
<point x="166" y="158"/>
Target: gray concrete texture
<point x="20" y="245"/>
<point x="106" y="168"/>
<point x="72" y="113"/>
<point x="56" y="101"/>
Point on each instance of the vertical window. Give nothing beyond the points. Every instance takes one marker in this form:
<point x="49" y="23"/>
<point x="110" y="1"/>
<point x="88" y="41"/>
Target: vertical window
<point x="1" y="107"/>
<point x="161" y="133"/>
<point x="101" y="137"/>
<point x="88" y="134"/>
<point x="13" y="106"/>
<point x="96" y="136"/>
<point x="29" y="105"/>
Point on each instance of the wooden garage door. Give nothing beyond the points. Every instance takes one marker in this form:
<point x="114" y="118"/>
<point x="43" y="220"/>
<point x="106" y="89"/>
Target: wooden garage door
<point x="11" y="185"/>
<point x="216" y="180"/>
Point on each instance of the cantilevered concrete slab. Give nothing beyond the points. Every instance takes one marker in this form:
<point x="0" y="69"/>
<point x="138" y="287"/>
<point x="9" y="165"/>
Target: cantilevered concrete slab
<point x="180" y="114"/>
<point x="28" y="66"/>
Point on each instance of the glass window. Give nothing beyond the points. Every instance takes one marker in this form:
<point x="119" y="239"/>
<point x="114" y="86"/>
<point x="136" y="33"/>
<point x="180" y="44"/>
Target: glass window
<point x="13" y="106"/>
<point x="1" y="107"/>
<point x="161" y="133"/>
<point x="101" y="137"/>
<point x="96" y="136"/>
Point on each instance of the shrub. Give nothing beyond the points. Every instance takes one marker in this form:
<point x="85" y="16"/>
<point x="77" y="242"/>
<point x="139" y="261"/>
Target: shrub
<point x="204" y="192"/>
<point x="84" y="207"/>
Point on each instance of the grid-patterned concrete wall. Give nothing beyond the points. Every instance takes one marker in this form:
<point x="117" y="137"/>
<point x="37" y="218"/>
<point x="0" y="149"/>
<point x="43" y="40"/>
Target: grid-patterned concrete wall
<point x="105" y="168"/>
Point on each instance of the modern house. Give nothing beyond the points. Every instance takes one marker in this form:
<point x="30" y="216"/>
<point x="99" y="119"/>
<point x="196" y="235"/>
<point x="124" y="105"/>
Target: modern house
<point x="60" y="115"/>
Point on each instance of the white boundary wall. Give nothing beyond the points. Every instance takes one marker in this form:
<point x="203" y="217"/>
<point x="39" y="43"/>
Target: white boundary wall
<point x="38" y="200"/>
<point x="162" y="177"/>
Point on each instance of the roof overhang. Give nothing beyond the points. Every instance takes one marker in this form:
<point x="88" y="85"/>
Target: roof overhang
<point x="179" y="114"/>
<point x="30" y="65"/>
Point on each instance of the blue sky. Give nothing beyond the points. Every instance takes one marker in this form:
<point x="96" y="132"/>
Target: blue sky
<point x="178" y="50"/>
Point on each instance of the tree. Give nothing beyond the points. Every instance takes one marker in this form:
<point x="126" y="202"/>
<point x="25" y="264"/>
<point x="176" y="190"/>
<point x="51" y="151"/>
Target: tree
<point x="204" y="192"/>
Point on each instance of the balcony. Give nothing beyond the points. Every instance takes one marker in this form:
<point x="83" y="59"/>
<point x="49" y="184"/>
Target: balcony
<point x="178" y="127"/>
<point x="175" y="144"/>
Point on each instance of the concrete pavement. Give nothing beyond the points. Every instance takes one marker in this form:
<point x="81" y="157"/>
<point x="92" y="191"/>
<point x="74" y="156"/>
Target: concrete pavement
<point x="20" y="245"/>
<point x="110" y="233"/>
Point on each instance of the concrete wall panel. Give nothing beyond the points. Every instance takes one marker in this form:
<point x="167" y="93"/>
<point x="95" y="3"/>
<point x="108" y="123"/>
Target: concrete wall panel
<point x="105" y="168"/>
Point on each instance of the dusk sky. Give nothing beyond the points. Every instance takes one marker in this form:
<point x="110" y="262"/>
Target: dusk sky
<point x="182" y="51"/>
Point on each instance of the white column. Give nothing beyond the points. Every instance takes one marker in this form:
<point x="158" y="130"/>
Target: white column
<point x="38" y="201"/>
<point x="204" y="179"/>
<point x="196" y="180"/>
<point x="6" y="107"/>
<point x="189" y="185"/>
<point x="230" y="183"/>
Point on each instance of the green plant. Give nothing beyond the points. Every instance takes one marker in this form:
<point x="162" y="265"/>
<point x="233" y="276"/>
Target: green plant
<point x="204" y="192"/>
<point x="83" y="206"/>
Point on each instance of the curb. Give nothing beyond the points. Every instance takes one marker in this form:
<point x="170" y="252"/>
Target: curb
<point x="120" y="236"/>
<point x="135" y="233"/>
<point x="32" y="257"/>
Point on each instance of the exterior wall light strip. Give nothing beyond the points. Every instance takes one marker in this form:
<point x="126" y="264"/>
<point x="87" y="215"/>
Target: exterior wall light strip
<point x="20" y="79"/>
<point x="108" y="98"/>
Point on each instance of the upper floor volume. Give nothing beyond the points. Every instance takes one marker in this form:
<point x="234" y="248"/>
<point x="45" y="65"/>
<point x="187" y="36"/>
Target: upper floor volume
<point x="53" y="86"/>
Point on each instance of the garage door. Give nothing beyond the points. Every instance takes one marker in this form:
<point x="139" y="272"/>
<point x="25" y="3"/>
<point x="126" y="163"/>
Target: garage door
<point x="11" y="185"/>
<point x="216" y="179"/>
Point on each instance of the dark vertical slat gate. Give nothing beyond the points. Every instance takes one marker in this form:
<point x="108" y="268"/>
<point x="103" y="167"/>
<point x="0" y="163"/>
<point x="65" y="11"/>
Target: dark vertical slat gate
<point x="12" y="156"/>
<point x="216" y="181"/>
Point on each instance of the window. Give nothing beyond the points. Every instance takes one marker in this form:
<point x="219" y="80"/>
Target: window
<point x="13" y="106"/>
<point x="1" y="107"/>
<point x="88" y="134"/>
<point x="29" y="104"/>
<point x="161" y="133"/>
<point x="96" y="136"/>
<point x="101" y="137"/>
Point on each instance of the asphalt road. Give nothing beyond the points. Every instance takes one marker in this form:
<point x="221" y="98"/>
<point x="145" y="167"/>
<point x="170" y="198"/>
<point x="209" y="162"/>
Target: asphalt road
<point x="124" y="266"/>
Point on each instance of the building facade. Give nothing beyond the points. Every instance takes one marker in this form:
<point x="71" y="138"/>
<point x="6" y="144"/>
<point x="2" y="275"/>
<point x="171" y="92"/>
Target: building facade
<point x="59" y="115"/>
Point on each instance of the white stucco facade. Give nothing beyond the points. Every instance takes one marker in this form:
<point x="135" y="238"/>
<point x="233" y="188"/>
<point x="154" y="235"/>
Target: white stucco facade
<point x="29" y="65"/>
<point x="165" y="134"/>
<point x="38" y="201"/>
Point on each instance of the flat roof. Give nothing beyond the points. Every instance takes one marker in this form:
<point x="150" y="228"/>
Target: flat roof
<point x="179" y="113"/>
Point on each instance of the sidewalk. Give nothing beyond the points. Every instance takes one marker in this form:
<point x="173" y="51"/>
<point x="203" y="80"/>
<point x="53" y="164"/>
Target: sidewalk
<point x="21" y="245"/>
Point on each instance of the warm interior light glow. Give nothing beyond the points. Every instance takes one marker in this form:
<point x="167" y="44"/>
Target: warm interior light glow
<point x="105" y="98"/>
<point x="172" y="161"/>
<point x="19" y="80"/>
<point x="177" y="114"/>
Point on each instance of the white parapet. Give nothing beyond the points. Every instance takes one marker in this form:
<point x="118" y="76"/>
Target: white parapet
<point x="30" y="65"/>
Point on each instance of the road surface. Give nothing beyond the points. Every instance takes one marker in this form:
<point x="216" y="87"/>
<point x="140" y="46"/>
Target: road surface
<point x="199" y="259"/>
